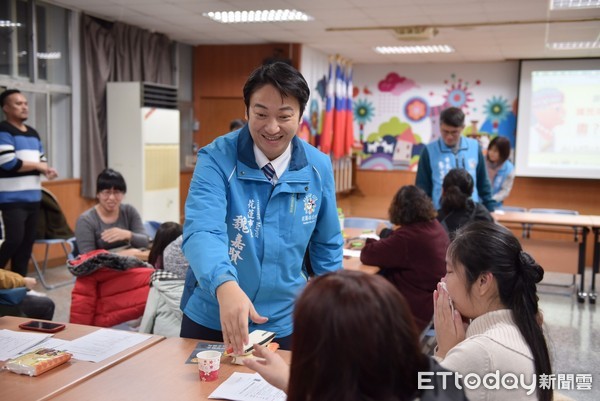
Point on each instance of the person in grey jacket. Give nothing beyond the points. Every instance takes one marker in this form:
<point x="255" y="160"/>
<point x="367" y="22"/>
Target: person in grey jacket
<point x="162" y="315"/>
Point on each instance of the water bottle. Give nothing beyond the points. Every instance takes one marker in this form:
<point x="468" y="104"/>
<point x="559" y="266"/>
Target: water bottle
<point x="341" y="218"/>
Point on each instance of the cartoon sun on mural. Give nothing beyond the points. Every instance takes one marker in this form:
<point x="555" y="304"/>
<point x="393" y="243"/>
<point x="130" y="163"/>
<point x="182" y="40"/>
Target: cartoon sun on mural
<point x="363" y="113"/>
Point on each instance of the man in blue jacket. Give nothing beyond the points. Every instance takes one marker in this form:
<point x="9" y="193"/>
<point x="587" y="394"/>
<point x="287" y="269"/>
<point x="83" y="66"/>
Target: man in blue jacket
<point x="453" y="151"/>
<point x="259" y="197"/>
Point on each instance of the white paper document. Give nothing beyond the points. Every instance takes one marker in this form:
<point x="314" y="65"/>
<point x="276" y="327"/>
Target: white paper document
<point x="353" y="253"/>
<point x="12" y="343"/>
<point x="369" y="235"/>
<point x="247" y="387"/>
<point x="50" y="342"/>
<point x="103" y="343"/>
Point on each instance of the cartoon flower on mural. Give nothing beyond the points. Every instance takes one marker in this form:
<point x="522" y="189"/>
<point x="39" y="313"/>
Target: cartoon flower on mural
<point x="363" y="113"/>
<point x="496" y="109"/>
<point x="416" y="109"/>
<point x="458" y="93"/>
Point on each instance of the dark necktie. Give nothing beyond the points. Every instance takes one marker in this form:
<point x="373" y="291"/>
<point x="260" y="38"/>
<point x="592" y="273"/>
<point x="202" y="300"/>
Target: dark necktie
<point x="269" y="171"/>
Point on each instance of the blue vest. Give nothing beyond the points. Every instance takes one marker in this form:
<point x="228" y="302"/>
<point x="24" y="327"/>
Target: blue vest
<point x="504" y="171"/>
<point x="443" y="160"/>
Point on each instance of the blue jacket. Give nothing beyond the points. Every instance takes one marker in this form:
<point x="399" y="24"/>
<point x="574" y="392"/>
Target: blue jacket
<point x="240" y="227"/>
<point x="437" y="159"/>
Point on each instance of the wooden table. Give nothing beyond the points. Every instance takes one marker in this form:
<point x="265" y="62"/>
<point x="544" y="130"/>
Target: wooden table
<point x="352" y="263"/>
<point x="158" y="373"/>
<point x="553" y="255"/>
<point x="596" y="261"/>
<point x="63" y="377"/>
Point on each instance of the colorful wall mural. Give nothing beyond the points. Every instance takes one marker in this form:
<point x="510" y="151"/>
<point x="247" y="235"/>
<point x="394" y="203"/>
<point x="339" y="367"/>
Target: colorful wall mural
<point x="396" y="107"/>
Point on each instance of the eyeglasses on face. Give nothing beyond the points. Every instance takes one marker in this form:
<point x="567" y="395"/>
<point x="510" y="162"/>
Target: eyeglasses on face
<point x="106" y="193"/>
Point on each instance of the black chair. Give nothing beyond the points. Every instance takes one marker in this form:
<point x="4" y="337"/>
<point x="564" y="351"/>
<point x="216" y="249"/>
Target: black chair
<point x="52" y="230"/>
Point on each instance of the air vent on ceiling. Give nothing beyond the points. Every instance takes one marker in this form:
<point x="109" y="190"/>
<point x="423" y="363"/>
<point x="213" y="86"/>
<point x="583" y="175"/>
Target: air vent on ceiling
<point x="415" y="32"/>
<point x="161" y="96"/>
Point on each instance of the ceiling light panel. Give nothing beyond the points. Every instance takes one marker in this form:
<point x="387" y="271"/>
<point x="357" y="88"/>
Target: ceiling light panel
<point x="414" y="49"/>
<point x="241" y="17"/>
<point x="573" y="45"/>
<point x="573" y="4"/>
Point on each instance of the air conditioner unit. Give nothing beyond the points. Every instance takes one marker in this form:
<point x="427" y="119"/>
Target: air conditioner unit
<point x="415" y="33"/>
<point x="143" y="145"/>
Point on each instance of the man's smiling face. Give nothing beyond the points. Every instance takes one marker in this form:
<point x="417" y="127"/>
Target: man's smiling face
<point x="273" y="120"/>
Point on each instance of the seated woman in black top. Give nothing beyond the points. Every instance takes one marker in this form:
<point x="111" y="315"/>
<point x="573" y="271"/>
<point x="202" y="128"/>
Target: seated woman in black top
<point x="458" y="208"/>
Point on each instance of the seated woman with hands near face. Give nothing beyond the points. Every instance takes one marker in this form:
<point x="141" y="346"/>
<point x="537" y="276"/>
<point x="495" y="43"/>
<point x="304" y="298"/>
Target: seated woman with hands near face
<point x="491" y="281"/>
<point x="354" y="339"/>
<point x="110" y="224"/>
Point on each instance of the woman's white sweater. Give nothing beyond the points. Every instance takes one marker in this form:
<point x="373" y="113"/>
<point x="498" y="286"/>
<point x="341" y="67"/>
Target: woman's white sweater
<point x="494" y="345"/>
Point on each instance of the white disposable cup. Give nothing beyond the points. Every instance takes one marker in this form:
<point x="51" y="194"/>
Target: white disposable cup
<point x="208" y="365"/>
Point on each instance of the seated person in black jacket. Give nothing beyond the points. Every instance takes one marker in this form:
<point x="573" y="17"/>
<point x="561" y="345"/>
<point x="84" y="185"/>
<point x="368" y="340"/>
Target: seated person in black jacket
<point x="458" y="208"/>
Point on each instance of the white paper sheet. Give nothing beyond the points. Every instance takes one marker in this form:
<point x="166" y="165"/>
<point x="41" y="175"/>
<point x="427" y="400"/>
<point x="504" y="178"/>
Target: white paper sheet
<point x="50" y="342"/>
<point x="12" y="343"/>
<point x="369" y="235"/>
<point x="247" y="387"/>
<point x="103" y="343"/>
<point x="353" y="253"/>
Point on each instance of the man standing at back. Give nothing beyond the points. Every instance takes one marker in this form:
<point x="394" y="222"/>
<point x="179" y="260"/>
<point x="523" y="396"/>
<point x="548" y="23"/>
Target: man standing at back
<point x="450" y="151"/>
<point x="258" y="199"/>
<point x="22" y="160"/>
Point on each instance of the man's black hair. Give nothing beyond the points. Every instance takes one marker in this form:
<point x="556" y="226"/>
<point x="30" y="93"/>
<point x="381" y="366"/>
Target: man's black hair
<point x="6" y="94"/>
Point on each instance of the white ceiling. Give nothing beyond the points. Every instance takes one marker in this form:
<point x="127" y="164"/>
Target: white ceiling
<point x="481" y="40"/>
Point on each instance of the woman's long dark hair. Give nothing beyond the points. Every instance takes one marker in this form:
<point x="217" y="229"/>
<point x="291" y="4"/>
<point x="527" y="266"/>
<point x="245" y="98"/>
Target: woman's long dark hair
<point x="488" y="247"/>
<point x="354" y="339"/>
<point x="166" y="233"/>
<point x="457" y="190"/>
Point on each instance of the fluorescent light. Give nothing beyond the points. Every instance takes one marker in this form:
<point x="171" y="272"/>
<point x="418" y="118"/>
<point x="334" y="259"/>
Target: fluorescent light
<point x="42" y="55"/>
<point x="573" y="45"/>
<point x="414" y="49"/>
<point x="240" y="17"/>
<point x="49" y="55"/>
<point x="573" y="4"/>
<point x="9" y="24"/>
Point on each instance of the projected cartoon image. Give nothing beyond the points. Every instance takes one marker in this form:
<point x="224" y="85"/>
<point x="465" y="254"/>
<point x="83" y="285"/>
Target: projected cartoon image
<point x="548" y="113"/>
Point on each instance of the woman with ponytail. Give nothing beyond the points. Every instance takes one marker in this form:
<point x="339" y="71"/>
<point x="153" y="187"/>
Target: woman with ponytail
<point x="491" y="283"/>
<point x="458" y="208"/>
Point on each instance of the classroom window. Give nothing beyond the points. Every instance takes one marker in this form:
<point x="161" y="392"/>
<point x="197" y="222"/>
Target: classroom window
<point x="39" y="67"/>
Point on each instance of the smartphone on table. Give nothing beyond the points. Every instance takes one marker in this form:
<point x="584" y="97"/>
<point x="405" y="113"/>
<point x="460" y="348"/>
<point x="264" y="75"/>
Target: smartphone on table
<point x="46" y="327"/>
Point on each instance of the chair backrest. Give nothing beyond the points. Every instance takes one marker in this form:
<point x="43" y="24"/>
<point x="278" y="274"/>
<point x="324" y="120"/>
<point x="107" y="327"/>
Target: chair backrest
<point x="363" y="222"/>
<point x="151" y="227"/>
<point x="557" y="211"/>
<point x="52" y="223"/>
